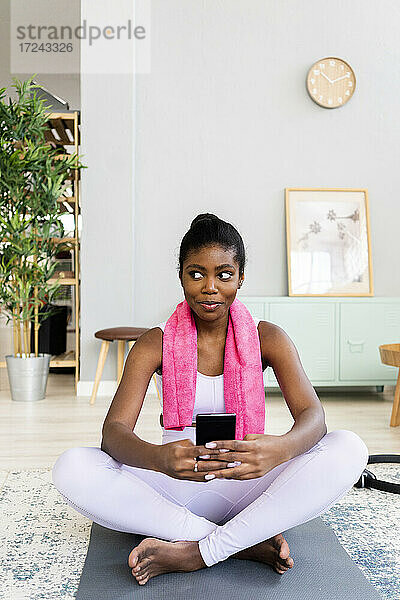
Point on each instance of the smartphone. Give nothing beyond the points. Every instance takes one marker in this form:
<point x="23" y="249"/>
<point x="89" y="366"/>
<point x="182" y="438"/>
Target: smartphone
<point x="215" y="426"/>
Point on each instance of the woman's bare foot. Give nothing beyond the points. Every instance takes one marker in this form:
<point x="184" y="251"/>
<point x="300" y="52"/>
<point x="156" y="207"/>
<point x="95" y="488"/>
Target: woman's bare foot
<point x="274" y="552"/>
<point x="153" y="556"/>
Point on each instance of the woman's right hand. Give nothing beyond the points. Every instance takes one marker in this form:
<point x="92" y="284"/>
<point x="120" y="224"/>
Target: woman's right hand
<point x="178" y="460"/>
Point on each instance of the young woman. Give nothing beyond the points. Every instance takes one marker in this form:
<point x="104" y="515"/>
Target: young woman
<point x="262" y="484"/>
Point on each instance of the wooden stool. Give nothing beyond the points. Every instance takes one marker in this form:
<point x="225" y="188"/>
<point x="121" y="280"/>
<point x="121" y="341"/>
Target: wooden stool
<point x="390" y="355"/>
<point x="121" y="335"/>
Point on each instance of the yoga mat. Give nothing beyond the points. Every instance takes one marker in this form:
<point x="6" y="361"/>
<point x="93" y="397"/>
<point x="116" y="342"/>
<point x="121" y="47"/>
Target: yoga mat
<point x="322" y="570"/>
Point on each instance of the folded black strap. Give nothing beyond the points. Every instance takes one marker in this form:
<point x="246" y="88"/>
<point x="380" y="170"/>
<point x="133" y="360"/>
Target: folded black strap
<point x="369" y="480"/>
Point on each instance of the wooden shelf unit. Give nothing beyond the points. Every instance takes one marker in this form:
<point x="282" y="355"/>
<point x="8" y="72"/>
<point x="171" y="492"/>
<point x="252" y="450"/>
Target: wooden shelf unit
<point x="61" y="123"/>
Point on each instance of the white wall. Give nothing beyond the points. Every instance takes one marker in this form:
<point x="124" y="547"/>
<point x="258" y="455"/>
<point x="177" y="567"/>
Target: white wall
<point x="224" y="123"/>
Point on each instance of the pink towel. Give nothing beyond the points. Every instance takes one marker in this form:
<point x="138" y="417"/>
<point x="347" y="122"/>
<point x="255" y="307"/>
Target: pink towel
<point x="243" y="376"/>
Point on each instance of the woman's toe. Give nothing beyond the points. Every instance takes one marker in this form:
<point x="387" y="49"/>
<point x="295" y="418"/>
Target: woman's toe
<point x="286" y="563"/>
<point x="143" y="564"/>
<point x="141" y="577"/>
<point x="280" y="570"/>
<point x="143" y="573"/>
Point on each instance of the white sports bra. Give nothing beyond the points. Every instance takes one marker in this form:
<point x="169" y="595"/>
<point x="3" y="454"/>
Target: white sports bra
<point x="209" y="389"/>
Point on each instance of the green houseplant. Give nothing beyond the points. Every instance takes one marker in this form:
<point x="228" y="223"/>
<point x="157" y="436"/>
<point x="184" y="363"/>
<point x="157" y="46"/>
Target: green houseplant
<point x="33" y="176"/>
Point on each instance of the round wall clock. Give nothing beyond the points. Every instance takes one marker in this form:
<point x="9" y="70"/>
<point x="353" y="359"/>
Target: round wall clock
<point x="331" y="82"/>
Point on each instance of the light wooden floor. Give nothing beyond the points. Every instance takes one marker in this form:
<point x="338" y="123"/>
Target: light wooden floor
<point x="33" y="435"/>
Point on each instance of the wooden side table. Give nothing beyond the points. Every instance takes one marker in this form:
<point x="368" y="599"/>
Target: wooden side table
<point x="390" y="355"/>
<point x="121" y="335"/>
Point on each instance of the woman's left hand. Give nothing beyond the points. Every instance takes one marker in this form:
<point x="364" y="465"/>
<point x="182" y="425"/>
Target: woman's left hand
<point x="257" y="453"/>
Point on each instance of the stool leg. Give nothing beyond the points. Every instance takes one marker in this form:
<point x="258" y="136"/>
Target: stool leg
<point x="100" y="366"/>
<point x="395" y="419"/>
<point x="121" y="356"/>
<point x="130" y="344"/>
<point x="156" y="386"/>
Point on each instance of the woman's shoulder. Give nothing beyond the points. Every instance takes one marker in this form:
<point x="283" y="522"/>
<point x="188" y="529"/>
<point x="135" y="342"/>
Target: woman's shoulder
<point x="270" y="332"/>
<point x="269" y="328"/>
<point x="149" y="346"/>
<point x="273" y="340"/>
<point x="157" y="328"/>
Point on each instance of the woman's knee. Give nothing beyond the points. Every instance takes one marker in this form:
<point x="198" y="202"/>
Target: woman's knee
<point x="351" y="447"/>
<point x="74" y="464"/>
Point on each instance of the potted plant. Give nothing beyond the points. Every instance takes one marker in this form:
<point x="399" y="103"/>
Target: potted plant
<point x="32" y="178"/>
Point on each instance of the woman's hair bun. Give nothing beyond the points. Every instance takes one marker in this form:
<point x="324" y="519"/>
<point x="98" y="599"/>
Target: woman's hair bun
<point x="203" y="217"/>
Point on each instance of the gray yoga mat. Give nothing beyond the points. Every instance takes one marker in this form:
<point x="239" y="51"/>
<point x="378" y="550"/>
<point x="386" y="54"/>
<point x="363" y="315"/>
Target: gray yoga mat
<point x="322" y="571"/>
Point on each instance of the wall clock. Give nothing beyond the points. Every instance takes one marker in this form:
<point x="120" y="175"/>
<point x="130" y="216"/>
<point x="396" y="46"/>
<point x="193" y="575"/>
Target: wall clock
<point x="331" y="82"/>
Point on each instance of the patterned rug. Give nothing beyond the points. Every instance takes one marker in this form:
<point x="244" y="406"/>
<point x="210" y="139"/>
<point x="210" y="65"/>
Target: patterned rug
<point x="44" y="541"/>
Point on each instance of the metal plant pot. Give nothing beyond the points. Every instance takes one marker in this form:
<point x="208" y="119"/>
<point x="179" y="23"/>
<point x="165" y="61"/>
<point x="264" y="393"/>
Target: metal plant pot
<point x="28" y="377"/>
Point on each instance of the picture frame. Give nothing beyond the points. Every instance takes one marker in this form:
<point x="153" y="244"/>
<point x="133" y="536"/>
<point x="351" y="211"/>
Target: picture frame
<point x="328" y="242"/>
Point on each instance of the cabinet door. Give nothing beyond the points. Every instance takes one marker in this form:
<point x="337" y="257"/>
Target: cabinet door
<point x="311" y="326"/>
<point x="363" y="328"/>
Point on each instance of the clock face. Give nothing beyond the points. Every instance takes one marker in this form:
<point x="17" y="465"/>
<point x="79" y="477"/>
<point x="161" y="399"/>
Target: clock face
<point x="331" y="82"/>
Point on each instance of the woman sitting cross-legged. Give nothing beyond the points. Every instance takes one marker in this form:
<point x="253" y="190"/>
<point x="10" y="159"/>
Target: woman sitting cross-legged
<point x="200" y="504"/>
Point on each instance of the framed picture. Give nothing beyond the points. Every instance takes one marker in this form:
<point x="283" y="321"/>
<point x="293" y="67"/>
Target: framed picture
<point x="328" y="242"/>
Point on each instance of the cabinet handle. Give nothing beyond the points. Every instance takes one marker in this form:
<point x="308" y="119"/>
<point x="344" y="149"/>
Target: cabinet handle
<point x="351" y="344"/>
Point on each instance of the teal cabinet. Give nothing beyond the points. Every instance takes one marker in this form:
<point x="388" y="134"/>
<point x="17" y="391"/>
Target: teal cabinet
<point x="311" y="327"/>
<point x="337" y="339"/>
<point x="363" y="328"/>
<point x="256" y="309"/>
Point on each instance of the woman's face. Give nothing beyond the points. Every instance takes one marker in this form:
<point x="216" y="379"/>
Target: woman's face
<point x="210" y="280"/>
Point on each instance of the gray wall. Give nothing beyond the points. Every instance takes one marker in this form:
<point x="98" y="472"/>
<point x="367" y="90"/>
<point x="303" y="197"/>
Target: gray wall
<point x="224" y="124"/>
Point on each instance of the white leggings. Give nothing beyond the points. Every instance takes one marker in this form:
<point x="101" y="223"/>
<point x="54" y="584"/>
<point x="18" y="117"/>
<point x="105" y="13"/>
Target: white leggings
<point x="223" y="515"/>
